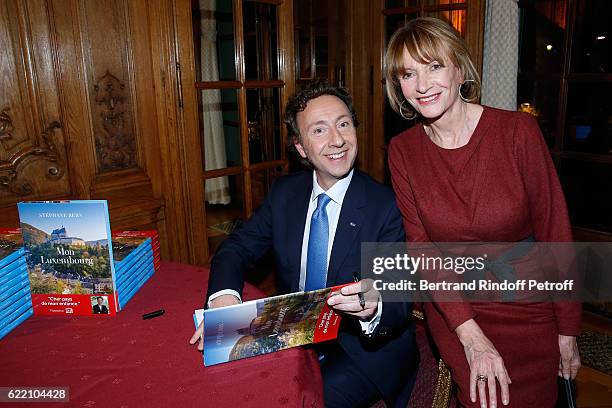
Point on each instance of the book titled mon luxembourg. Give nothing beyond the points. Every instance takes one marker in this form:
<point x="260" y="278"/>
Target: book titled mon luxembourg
<point x="267" y="325"/>
<point x="69" y="257"/>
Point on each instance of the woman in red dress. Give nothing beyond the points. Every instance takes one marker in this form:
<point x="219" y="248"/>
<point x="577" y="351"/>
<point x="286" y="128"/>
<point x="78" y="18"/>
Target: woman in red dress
<point x="472" y="173"/>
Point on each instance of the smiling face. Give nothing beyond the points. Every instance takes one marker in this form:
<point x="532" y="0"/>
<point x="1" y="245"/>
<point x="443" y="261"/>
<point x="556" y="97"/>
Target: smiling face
<point x="328" y="138"/>
<point x="431" y="88"/>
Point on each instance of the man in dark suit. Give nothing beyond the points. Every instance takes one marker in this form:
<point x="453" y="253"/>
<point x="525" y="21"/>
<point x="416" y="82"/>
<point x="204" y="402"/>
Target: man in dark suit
<point x="315" y="223"/>
<point x="100" y="308"/>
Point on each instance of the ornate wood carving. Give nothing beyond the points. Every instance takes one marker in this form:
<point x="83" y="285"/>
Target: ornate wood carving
<point x="6" y="125"/>
<point x="46" y="149"/>
<point x="116" y="148"/>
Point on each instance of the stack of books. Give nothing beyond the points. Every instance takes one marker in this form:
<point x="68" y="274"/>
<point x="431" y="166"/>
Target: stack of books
<point x="136" y="258"/>
<point x="74" y="263"/>
<point x="15" y="298"/>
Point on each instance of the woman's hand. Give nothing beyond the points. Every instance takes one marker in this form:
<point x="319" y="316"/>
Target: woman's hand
<point x="486" y="365"/>
<point x="569" y="363"/>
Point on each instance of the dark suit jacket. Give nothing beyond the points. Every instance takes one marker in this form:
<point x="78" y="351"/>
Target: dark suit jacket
<point x="97" y="310"/>
<point x="368" y="214"/>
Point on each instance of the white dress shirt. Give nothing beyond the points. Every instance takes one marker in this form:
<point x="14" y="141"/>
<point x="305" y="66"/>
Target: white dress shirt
<point x="336" y="193"/>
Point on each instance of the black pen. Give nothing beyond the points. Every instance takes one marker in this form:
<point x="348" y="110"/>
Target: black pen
<point x="360" y="294"/>
<point x="153" y="314"/>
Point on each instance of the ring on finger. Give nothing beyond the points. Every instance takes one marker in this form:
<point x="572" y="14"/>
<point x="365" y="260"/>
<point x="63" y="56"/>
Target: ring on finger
<point x="481" y="377"/>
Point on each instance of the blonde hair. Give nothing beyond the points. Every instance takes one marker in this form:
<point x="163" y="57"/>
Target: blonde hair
<point x="428" y="39"/>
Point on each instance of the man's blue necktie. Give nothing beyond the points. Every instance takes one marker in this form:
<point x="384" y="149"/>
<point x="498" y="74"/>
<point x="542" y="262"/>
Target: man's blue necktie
<point x="316" y="263"/>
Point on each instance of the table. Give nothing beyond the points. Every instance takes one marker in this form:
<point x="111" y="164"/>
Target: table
<point x="126" y="362"/>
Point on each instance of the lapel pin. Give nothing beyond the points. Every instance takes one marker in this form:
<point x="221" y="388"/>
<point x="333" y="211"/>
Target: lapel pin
<point x="352" y="224"/>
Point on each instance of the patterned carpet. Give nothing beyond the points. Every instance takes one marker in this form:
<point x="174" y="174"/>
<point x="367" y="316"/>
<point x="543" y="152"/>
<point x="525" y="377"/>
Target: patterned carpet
<point x="227" y="227"/>
<point x="596" y="351"/>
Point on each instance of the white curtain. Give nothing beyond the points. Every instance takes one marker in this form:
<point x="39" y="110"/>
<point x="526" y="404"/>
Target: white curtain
<point x="500" y="54"/>
<point x="217" y="189"/>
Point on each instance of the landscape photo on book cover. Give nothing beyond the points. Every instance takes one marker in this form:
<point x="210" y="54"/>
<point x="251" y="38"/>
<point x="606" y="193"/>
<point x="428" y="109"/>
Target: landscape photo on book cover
<point x="10" y="241"/>
<point x="124" y="246"/>
<point x="67" y="245"/>
<point x="264" y="326"/>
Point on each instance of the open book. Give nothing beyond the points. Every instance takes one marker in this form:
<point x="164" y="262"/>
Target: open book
<point x="267" y="325"/>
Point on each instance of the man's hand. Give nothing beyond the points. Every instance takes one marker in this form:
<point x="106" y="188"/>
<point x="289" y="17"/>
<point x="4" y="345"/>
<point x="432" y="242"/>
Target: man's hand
<point x="223" y="300"/>
<point x="569" y="363"/>
<point x="347" y="300"/>
<point x="198" y="337"/>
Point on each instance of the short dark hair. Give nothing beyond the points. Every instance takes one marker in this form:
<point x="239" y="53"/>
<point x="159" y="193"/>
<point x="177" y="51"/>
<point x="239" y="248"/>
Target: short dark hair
<point x="99" y="297"/>
<point x="298" y="101"/>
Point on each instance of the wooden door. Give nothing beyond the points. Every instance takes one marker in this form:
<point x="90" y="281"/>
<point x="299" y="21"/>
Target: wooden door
<point x="237" y="72"/>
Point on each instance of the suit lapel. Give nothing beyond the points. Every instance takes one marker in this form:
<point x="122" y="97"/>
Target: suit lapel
<point x="297" y="209"/>
<point x="349" y="224"/>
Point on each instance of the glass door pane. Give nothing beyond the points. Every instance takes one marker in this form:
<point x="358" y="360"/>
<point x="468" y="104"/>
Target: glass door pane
<point x="442" y="2"/>
<point x="264" y="122"/>
<point x="220" y="128"/>
<point x="456" y="18"/>
<point x="302" y="39"/>
<point x="589" y="109"/>
<point x="260" y="41"/>
<point x="394" y="22"/>
<point x="589" y="197"/>
<point x="213" y="36"/>
<point x="224" y="207"/>
<point x="542" y="39"/>
<point x="541" y="99"/>
<point x="591" y="50"/>
<point x="401" y="3"/>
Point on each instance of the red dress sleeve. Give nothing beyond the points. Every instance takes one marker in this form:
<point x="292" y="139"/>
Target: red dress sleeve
<point x="549" y="216"/>
<point x="454" y="313"/>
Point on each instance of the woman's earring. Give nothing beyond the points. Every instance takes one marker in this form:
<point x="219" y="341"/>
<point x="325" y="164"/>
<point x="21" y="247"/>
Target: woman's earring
<point x="464" y="99"/>
<point x="410" y="116"/>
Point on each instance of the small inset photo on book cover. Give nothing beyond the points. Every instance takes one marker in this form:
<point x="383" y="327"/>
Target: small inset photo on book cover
<point x="99" y="304"/>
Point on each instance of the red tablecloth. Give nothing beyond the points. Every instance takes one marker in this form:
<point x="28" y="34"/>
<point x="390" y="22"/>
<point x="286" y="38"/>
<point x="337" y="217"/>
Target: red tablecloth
<point x="126" y="362"/>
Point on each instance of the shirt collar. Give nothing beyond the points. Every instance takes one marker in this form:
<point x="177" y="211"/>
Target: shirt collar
<point x="336" y="192"/>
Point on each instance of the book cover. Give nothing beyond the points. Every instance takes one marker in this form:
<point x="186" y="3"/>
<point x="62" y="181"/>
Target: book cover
<point x="132" y="237"/>
<point x="267" y="325"/>
<point x="122" y="269"/>
<point x="17" y="281"/>
<point x="69" y="257"/>
<point x="133" y="253"/>
<point x="4" y="330"/>
<point x="8" y="272"/>
<point x="128" y="268"/>
<point x="11" y="245"/>
<point x="135" y="274"/>
<point x="125" y="246"/>
<point x="13" y="311"/>
<point x="143" y="276"/>
<point x="16" y="297"/>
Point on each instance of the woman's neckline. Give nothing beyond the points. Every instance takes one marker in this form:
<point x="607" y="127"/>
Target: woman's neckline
<point x="473" y="137"/>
